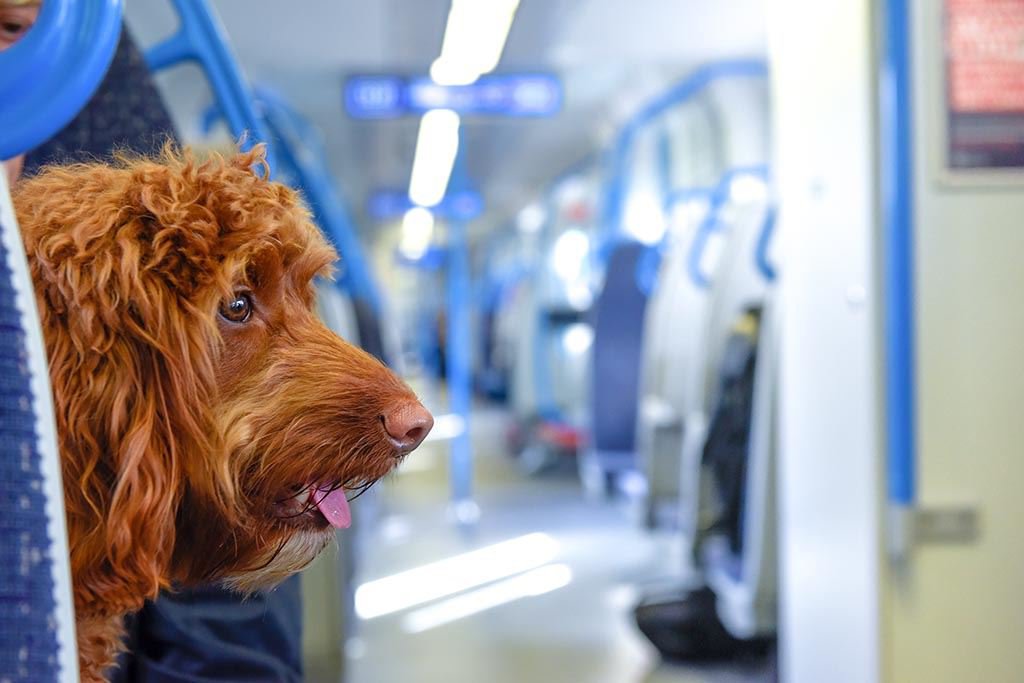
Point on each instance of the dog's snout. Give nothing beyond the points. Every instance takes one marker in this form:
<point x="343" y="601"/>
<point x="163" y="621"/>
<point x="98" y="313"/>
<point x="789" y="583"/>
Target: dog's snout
<point x="408" y="424"/>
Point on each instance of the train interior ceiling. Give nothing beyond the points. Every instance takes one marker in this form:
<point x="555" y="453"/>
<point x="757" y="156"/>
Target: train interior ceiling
<point x="710" y="303"/>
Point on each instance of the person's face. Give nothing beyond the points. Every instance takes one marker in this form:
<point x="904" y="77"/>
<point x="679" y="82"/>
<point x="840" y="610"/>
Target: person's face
<point x="15" y="21"/>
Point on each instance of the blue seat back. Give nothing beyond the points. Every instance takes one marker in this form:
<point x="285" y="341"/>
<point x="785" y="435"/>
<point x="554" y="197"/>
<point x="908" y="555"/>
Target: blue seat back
<point x="618" y="333"/>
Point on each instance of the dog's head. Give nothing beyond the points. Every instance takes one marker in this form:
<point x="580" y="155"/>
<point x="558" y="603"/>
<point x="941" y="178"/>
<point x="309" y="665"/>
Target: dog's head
<point x="211" y="426"/>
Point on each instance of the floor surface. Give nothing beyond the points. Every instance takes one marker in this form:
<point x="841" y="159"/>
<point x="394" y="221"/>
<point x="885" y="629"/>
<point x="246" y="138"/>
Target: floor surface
<point x="564" y="575"/>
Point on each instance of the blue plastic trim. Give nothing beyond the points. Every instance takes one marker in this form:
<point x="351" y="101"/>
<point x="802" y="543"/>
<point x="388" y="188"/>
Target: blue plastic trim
<point x="50" y="74"/>
<point x="898" y="250"/>
<point x="202" y="39"/>
<point x="710" y="224"/>
<point x="694" y="84"/>
<point x="764" y="243"/>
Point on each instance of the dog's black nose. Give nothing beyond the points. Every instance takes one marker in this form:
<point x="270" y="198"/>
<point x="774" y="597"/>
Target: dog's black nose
<point x="408" y="424"/>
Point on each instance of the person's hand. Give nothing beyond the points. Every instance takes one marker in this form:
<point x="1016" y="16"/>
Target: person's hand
<point x="13" y="168"/>
<point x="16" y="18"/>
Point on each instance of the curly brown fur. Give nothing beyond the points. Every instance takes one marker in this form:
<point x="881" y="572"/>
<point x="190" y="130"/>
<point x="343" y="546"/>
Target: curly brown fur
<point x="186" y="438"/>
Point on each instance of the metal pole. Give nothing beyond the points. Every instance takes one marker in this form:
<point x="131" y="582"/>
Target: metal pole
<point x="459" y="361"/>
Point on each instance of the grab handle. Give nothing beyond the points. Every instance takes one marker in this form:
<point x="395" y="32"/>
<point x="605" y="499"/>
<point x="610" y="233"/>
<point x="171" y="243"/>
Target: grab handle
<point x="719" y="197"/>
<point x="303" y="156"/>
<point x="202" y="39"/>
<point x="50" y="74"/>
<point x="697" y="247"/>
<point x="764" y="242"/>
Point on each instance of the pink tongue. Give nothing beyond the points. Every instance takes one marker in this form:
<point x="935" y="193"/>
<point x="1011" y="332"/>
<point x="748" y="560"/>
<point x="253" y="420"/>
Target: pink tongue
<point x="334" y="506"/>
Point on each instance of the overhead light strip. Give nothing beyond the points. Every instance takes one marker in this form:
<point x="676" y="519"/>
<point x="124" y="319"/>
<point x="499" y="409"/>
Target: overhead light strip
<point x="474" y="40"/>
<point x="436" y="147"/>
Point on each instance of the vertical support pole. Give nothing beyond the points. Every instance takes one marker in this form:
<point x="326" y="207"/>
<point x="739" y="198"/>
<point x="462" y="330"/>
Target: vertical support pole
<point x="459" y="361"/>
<point x="898" y="264"/>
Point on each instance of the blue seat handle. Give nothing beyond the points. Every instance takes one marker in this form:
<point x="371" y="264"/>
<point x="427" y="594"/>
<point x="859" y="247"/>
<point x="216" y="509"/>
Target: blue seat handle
<point x="50" y="74"/>
<point x="202" y="39"/>
<point x="701" y="238"/>
<point x="710" y="224"/>
<point x="764" y="243"/>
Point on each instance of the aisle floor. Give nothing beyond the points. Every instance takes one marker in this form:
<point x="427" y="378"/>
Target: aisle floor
<point x="558" y="610"/>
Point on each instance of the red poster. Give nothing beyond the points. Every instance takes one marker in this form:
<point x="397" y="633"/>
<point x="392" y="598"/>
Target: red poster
<point x="984" y="45"/>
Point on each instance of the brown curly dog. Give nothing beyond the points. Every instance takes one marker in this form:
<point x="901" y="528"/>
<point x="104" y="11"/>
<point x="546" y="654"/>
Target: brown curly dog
<point x="210" y="425"/>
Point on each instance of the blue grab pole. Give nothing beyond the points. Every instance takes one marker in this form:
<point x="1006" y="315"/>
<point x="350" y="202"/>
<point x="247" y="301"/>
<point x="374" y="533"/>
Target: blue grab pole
<point x="898" y="269"/>
<point x="201" y="38"/>
<point x="300" y="153"/>
<point x="459" y="351"/>
<point x="49" y="75"/>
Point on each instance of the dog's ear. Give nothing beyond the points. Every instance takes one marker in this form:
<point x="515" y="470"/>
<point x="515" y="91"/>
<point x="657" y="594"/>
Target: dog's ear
<point x="130" y="351"/>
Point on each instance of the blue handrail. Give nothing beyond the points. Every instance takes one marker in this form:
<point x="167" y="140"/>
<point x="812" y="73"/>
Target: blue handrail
<point x="710" y="224"/>
<point x="764" y="242"/>
<point x="201" y="38"/>
<point x="49" y="75"/>
<point x="301" y="157"/>
<point x="701" y="239"/>
<point x="898" y="220"/>
<point x="695" y="83"/>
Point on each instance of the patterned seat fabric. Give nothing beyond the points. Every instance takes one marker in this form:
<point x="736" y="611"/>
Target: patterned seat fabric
<point x="28" y="629"/>
<point x="126" y="112"/>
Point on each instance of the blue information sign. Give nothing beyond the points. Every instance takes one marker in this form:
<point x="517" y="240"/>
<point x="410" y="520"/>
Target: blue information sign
<point x="516" y="95"/>
<point x="464" y="205"/>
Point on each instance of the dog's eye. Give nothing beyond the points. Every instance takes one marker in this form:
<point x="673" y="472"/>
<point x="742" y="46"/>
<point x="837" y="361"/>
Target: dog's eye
<point x="237" y="309"/>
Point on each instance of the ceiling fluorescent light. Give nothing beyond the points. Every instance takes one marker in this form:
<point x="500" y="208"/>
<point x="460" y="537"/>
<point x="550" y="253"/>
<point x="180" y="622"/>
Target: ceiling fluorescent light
<point x="644" y="218"/>
<point x="417" y="230"/>
<point x="474" y="39"/>
<point x="436" y="147"/>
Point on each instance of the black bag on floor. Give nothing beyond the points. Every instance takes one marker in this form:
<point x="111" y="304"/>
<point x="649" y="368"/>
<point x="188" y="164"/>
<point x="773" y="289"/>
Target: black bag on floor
<point x="686" y="628"/>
